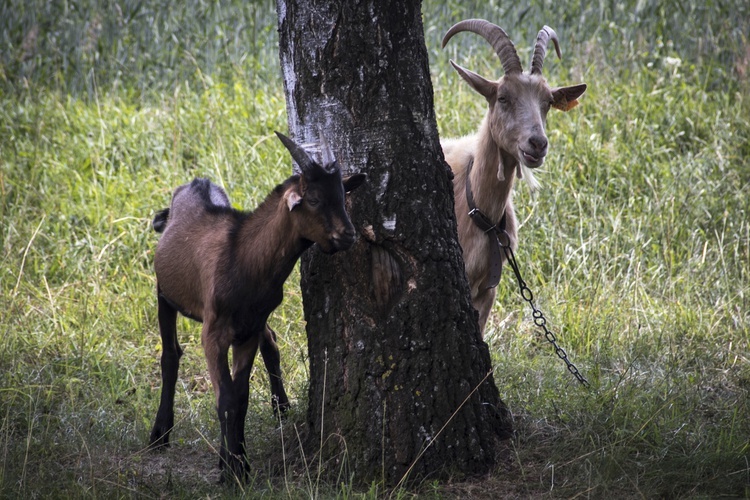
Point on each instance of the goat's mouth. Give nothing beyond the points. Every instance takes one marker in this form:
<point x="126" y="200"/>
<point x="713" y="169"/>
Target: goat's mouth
<point x="530" y="160"/>
<point x="339" y="243"/>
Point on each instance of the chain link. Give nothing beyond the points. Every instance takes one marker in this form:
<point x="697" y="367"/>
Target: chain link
<point x="539" y="319"/>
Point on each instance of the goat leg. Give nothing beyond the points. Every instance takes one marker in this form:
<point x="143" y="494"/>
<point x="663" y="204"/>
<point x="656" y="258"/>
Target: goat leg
<point x="243" y="356"/>
<point x="272" y="359"/>
<point x="170" y="362"/>
<point x="216" y="343"/>
<point x="232" y="456"/>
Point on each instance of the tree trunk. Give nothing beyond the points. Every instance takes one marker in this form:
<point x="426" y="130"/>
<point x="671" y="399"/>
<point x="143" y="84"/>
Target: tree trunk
<point x="400" y="380"/>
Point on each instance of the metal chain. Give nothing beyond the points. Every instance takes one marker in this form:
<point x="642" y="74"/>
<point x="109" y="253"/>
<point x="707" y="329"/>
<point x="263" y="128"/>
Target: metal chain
<point x="539" y="319"/>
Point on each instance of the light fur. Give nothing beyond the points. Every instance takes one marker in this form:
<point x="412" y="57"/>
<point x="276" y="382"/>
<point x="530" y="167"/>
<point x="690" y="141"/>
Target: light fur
<point x="509" y="143"/>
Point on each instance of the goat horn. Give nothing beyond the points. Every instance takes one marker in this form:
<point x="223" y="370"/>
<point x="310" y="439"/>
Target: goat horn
<point x="325" y="151"/>
<point x="300" y="155"/>
<point x="540" y="49"/>
<point x="495" y="35"/>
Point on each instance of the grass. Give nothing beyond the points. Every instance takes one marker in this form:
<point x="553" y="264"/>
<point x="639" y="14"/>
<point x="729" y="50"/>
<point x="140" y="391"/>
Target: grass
<point x="637" y="248"/>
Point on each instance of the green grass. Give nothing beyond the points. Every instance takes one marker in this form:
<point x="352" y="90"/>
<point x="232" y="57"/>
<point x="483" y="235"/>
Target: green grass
<point x="637" y="247"/>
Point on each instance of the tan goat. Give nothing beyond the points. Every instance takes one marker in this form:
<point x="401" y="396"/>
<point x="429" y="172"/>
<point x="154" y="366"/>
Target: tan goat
<point x="510" y="141"/>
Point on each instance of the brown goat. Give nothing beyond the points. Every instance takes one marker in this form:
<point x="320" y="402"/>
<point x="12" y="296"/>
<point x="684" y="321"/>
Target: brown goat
<point x="510" y="141"/>
<point x="226" y="268"/>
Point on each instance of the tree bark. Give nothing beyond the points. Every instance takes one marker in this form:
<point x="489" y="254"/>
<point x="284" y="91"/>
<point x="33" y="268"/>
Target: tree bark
<point x="400" y="380"/>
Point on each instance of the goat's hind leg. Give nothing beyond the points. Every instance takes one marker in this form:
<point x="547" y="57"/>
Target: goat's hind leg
<point x="170" y="362"/>
<point x="272" y="359"/>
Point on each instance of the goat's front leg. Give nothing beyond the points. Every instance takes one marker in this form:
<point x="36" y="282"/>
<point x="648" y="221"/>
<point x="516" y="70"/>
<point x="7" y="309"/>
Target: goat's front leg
<point x="483" y="298"/>
<point x="170" y="362"/>
<point x="483" y="304"/>
<point x="243" y="356"/>
<point x="272" y="359"/>
<point x="216" y="341"/>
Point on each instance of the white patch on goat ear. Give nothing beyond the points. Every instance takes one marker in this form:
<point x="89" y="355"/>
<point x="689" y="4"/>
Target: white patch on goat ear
<point x="292" y="199"/>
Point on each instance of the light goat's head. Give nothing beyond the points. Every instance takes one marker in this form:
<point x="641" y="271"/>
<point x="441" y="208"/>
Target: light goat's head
<point x="519" y="101"/>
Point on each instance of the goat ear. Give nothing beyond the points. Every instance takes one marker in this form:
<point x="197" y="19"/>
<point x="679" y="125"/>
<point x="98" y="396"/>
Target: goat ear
<point x="292" y="198"/>
<point x="566" y="98"/>
<point x="352" y="182"/>
<point x="480" y="84"/>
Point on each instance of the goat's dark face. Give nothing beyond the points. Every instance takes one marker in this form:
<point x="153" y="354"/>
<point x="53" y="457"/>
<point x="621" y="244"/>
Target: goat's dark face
<point x="318" y="199"/>
<point x="320" y="208"/>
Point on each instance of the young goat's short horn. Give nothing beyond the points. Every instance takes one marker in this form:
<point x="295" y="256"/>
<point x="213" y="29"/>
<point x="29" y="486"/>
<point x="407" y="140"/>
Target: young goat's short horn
<point x="329" y="161"/>
<point x="300" y="155"/>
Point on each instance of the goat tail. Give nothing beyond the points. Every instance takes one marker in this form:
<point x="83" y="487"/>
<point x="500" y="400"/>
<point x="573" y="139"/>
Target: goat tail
<point x="160" y="220"/>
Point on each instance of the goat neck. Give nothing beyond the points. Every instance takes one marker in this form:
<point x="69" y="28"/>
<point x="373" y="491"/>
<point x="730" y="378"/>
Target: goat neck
<point x="269" y="236"/>
<point x="492" y="175"/>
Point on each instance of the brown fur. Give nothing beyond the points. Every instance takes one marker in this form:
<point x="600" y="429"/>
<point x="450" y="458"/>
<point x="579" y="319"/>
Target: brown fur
<point x="226" y="268"/>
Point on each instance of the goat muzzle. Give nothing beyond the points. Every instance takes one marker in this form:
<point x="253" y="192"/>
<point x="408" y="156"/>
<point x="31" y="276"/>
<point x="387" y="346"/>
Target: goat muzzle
<point x="532" y="154"/>
<point x="532" y="159"/>
<point x="341" y="241"/>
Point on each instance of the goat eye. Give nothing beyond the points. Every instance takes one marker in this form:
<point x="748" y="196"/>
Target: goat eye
<point x="313" y="202"/>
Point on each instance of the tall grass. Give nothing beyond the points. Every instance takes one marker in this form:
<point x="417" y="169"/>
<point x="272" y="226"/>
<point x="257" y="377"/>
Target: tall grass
<point x="637" y="247"/>
<point x="134" y="47"/>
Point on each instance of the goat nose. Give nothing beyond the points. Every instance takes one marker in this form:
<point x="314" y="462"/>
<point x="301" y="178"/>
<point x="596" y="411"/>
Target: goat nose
<point x="344" y="239"/>
<point x="539" y="142"/>
<point x="349" y="236"/>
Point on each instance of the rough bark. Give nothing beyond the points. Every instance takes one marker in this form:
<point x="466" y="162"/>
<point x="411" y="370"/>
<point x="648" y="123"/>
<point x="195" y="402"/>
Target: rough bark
<point x="394" y="346"/>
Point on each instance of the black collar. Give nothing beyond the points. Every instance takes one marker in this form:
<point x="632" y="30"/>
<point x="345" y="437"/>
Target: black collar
<point x="485" y="224"/>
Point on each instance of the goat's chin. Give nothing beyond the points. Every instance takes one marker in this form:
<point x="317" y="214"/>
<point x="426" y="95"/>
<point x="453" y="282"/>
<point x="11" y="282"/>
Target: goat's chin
<point x="333" y="246"/>
<point x="530" y="161"/>
<point x="327" y="248"/>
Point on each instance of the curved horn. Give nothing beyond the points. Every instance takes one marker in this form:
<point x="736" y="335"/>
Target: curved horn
<point x="496" y="37"/>
<point x="545" y="35"/>
<point x="300" y="155"/>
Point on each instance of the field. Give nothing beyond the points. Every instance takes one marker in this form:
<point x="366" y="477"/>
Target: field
<point x="637" y="247"/>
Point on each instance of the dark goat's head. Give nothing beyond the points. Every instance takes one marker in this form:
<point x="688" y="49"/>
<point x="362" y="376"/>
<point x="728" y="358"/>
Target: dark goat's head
<point x="319" y="199"/>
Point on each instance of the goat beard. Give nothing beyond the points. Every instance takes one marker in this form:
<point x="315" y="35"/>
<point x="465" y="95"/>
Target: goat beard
<point x="527" y="174"/>
<point x="522" y="172"/>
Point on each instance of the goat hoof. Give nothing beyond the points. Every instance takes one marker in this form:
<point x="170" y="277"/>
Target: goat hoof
<point x="233" y="471"/>
<point x="159" y="440"/>
<point x="280" y="409"/>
